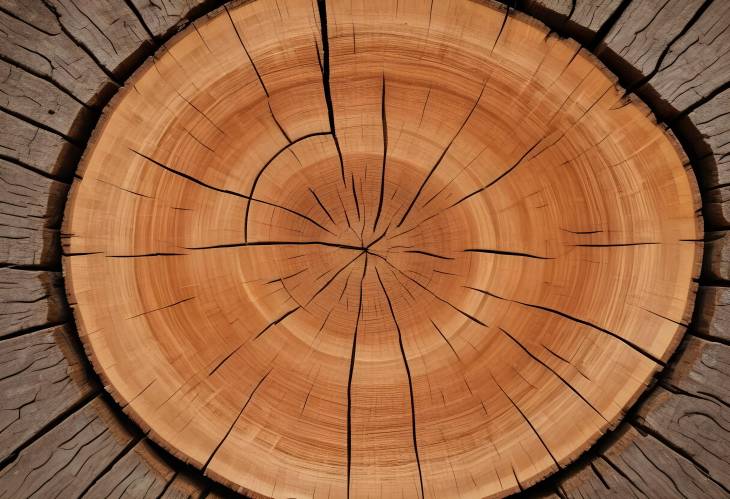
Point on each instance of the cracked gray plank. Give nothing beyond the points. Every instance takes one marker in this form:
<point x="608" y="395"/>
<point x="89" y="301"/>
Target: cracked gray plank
<point x="712" y="316"/>
<point x="716" y="262"/>
<point x="41" y="102"/>
<point x="37" y="43"/>
<point x="109" y="29"/>
<point x="69" y="457"/>
<point x="30" y="211"/>
<point x="35" y="147"/>
<point x="697" y="63"/>
<point x="165" y="16"/>
<point x="30" y="299"/>
<point x="41" y="377"/>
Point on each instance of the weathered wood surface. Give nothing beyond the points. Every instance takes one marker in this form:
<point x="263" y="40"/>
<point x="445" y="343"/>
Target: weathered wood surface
<point x="638" y="40"/>
<point x="712" y="315"/>
<point x="66" y="460"/>
<point x="30" y="212"/>
<point x="716" y="263"/>
<point x="33" y="39"/>
<point x="36" y="147"/>
<point x="108" y="29"/>
<point x="578" y="18"/>
<point x="696" y="64"/>
<point x="30" y="299"/>
<point x="639" y="465"/>
<point x="165" y="16"/>
<point x="141" y="473"/>
<point x="41" y="378"/>
<point x="41" y="102"/>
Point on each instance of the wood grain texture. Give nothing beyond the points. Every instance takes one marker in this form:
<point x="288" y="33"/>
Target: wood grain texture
<point x="165" y="16"/>
<point x="41" y="378"/>
<point x="716" y="263"/>
<point x="695" y="65"/>
<point x="33" y="39"/>
<point x="709" y="124"/>
<point x="35" y="147"/>
<point x="580" y="19"/>
<point x="639" y="465"/>
<point x="108" y="29"/>
<point x="712" y="317"/>
<point x="638" y="40"/>
<point x="302" y="282"/>
<point x="41" y="102"/>
<point x="30" y="299"/>
<point x="66" y="460"/>
<point x="30" y="214"/>
<point x="141" y="473"/>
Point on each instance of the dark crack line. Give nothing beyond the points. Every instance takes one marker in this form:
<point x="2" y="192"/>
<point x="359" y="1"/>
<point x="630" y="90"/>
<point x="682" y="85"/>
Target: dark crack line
<point x="426" y="253"/>
<point x="278" y="243"/>
<point x="243" y="45"/>
<point x="271" y="324"/>
<point x="322" y="7"/>
<point x="261" y="172"/>
<point x="446" y="340"/>
<point x="349" y="379"/>
<point x="319" y="202"/>
<point x="440" y="159"/>
<point x="536" y="359"/>
<point x="233" y="425"/>
<point x="579" y="321"/>
<point x="161" y="308"/>
<point x="410" y="379"/>
<point x="384" y="123"/>
<point x="354" y="196"/>
<point x="527" y="420"/>
<point x="506" y="253"/>
<point x="324" y="286"/>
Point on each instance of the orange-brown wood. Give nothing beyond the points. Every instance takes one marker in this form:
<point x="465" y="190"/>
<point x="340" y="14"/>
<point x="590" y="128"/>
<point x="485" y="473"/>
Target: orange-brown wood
<point x="436" y="253"/>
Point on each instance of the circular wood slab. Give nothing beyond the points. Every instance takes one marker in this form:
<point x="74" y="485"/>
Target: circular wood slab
<point x="416" y="249"/>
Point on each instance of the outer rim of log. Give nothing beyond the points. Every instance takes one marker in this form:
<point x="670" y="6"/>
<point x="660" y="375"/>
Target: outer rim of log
<point x="110" y="106"/>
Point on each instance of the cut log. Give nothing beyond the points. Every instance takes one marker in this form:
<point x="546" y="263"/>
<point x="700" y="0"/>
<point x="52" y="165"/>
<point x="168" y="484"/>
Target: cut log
<point x="66" y="460"/>
<point x="363" y="292"/>
<point x="712" y="317"/>
<point x="35" y="147"/>
<point x="47" y="52"/>
<point x="41" y="379"/>
<point x="31" y="208"/>
<point x="108" y="29"/>
<point x="41" y="102"/>
<point x="30" y="299"/>
<point x="165" y="16"/>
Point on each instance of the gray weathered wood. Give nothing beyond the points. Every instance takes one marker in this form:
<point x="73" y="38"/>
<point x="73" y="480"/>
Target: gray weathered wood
<point x="141" y="473"/>
<point x="164" y="16"/>
<point x="643" y="31"/>
<point x="108" y="29"/>
<point x="712" y="316"/>
<point x="47" y="51"/>
<point x="708" y="128"/>
<point x="581" y="21"/>
<point x="66" y="460"/>
<point x="695" y="65"/>
<point x="700" y="427"/>
<point x="41" y="378"/>
<point x="703" y="368"/>
<point x="35" y="147"/>
<point x="42" y="102"/>
<point x="30" y="299"/>
<point x="639" y="465"/>
<point x="185" y="486"/>
<point x="31" y="207"/>
<point x="716" y="262"/>
<point x="716" y="207"/>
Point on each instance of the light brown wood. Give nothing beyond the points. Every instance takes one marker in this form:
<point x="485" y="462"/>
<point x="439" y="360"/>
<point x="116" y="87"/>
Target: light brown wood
<point x="437" y="254"/>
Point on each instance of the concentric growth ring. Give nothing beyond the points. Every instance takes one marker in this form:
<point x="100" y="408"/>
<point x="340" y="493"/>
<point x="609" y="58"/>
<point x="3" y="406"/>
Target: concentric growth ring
<point x="378" y="248"/>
